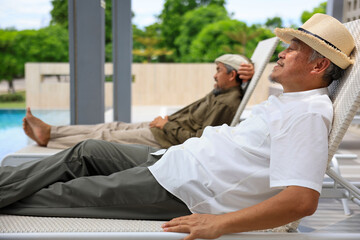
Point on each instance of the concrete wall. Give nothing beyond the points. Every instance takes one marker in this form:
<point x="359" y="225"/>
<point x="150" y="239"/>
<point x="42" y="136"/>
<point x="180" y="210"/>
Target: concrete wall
<point x="154" y="84"/>
<point x="351" y="10"/>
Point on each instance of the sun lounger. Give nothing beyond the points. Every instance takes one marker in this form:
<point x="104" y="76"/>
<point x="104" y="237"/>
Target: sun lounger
<point x="346" y="100"/>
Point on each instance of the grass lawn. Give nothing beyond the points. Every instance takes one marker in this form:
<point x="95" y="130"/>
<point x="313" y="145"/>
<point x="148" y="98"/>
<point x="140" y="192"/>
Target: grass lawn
<point x="18" y="105"/>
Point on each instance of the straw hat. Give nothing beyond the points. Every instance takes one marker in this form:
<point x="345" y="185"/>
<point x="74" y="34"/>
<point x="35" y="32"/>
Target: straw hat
<point x="233" y="60"/>
<point x="326" y="35"/>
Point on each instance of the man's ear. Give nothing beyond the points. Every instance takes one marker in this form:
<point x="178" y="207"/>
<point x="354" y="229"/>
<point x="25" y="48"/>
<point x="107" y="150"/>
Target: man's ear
<point x="321" y="64"/>
<point x="233" y="76"/>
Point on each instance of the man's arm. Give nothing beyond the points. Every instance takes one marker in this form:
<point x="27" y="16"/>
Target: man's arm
<point x="289" y="205"/>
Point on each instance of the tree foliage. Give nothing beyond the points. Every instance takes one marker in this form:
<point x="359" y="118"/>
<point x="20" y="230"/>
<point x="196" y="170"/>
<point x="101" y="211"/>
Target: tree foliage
<point x="212" y="40"/>
<point x="171" y="18"/>
<point x="320" y="9"/>
<point x="148" y="45"/>
<point x="192" y="24"/>
<point x="59" y="15"/>
<point x="9" y="63"/>
<point x="275" y="22"/>
<point x="48" y="44"/>
<point x="227" y="36"/>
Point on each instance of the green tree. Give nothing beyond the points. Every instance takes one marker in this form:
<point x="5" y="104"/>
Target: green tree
<point x="212" y="40"/>
<point x="18" y="52"/>
<point x="51" y="45"/>
<point x="148" y="44"/>
<point x="242" y="36"/>
<point x="320" y="9"/>
<point x="227" y="36"/>
<point x="275" y="22"/>
<point x="48" y="44"/>
<point x="192" y="24"/>
<point x="9" y="64"/>
<point x="59" y="15"/>
<point x="137" y="32"/>
<point x="171" y="18"/>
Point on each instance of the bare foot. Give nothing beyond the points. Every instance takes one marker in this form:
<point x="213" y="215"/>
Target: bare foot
<point x="36" y="129"/>
<point x="28" y="130"/>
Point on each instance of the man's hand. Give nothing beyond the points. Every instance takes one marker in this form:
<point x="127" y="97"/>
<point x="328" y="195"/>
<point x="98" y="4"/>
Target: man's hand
<point x="197" y="225"/>
<point x="246" y="72"/>
<point x="290" y="204"/>
<point x="159" y="122"/>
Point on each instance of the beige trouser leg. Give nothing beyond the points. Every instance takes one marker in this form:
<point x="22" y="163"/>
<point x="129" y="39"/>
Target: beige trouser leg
<point x="120" y="132"/>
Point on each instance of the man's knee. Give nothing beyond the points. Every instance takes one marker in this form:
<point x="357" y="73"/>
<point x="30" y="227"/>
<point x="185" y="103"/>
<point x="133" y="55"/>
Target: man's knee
<point x="94" y="147"/>
<point x="90" y="143"/>
<point x="89" y="146"/>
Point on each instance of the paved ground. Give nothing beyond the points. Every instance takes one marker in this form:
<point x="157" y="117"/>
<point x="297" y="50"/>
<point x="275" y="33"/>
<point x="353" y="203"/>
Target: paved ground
<point x="19" y="85"/>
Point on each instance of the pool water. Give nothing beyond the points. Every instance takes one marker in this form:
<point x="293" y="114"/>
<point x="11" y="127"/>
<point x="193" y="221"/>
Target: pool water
<point x="12" y="136"/>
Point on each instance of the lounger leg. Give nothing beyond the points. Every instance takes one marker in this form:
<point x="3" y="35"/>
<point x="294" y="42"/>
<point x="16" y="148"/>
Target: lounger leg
<point x="335" y="164"/>
<point x="347" y="210"/>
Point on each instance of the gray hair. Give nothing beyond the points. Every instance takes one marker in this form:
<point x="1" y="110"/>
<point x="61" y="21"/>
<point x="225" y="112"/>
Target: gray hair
<point x="333" y="72"/>
<point x="229" y="69"/>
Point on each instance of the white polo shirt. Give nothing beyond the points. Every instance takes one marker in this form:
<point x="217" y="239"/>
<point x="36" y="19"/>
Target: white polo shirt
<point x="283" y="143"/>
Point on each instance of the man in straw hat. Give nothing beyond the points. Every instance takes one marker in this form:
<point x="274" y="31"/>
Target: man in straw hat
<point x="263" y="173"/>
<point x="216" y="108"/>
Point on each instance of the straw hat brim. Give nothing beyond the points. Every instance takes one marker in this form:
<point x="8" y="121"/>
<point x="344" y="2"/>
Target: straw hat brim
<point x="334" y="55"/>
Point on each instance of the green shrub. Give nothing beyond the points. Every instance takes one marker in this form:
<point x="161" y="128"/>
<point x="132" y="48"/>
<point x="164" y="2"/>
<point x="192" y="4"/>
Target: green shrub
<point x="12" y="97"/>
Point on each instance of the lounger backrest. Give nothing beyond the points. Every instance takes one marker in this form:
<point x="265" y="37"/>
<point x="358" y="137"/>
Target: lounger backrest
<point x="345" y="94"/>
<point x="260" y="59"/>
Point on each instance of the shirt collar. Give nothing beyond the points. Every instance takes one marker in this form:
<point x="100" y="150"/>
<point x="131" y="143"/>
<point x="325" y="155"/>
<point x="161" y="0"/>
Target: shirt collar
<point x="318" y="91"/>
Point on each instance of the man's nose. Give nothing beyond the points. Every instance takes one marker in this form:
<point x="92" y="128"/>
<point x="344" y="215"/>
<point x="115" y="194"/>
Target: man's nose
<point x="281" y="54"/>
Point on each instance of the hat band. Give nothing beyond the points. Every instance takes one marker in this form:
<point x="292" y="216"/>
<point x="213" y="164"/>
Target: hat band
<point x="317" y="36"/>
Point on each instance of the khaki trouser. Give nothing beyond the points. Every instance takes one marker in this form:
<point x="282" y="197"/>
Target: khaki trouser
<point x="128" y="133"/>
<point x="93" y="179"/>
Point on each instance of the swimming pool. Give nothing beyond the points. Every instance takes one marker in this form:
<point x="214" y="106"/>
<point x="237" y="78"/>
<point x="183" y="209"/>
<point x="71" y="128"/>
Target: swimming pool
<point x="12" y="136"/>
